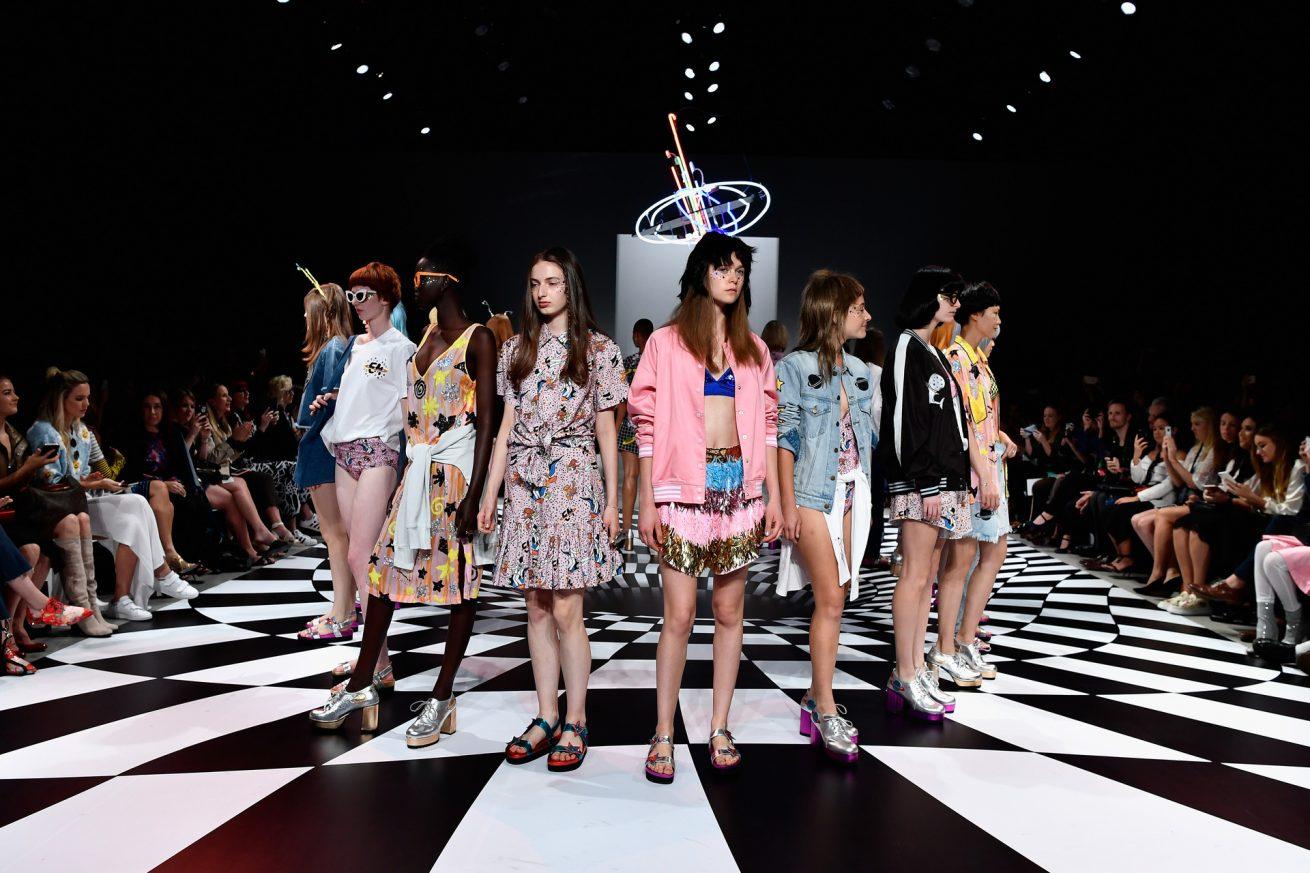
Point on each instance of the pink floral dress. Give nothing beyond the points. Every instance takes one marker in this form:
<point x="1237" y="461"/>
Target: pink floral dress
<point x="552" y="534"/>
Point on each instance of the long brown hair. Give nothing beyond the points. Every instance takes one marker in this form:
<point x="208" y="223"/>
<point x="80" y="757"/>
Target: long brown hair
<point x="694" y="317"/>
<point x="827" y="297"/>
<point x="1274" y="477"/>
<point x="57" y="385"/>
<point x="326" y="316"/>
<point x="581" y="321"/>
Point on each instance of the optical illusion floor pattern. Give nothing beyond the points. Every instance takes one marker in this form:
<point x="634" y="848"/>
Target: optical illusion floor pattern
<point x="1116" y="736"/>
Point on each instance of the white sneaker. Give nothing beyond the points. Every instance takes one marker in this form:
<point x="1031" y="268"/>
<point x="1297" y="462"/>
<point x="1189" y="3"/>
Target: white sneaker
<point x="173" y="585"/>
<point x="303" y="539"/>
<point x="125" y="609"/>
<point x="310" y="525"/>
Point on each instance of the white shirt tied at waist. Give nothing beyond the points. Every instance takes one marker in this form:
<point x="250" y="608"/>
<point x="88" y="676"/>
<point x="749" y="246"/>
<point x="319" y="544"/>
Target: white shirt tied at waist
<point x="414" y="520"/>
<point x="792" y="576"/>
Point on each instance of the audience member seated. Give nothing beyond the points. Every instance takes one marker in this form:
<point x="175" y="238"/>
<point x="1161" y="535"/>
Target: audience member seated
<point x="229" y="437"/>
<point x="23" y="600"/>
<point x="53" y="517"/>
<point x="115" y="512"/>
<point x="1113" y="511"/>
<point x="1047" y="458"/>
<point x="1278" y="499"/>
<point x="1189" y="474"/>
<point x="158" y="464"/>
<point x="272" y="452"/>
<point x="226" y="493"/>
<point x="1219" y="530"/>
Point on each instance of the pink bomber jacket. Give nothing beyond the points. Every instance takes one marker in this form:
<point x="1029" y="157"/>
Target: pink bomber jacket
<point x="666" y="402"/>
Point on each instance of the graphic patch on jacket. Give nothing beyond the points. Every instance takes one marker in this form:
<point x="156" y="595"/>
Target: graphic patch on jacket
<point x="936" y="385"/>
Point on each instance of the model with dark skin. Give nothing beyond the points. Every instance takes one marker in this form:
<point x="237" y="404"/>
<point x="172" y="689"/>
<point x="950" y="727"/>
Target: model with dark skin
<point x="443" y="293"/>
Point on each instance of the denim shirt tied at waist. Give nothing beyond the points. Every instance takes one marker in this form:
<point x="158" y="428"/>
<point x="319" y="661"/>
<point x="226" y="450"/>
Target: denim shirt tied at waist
<point x="809" y="422"/>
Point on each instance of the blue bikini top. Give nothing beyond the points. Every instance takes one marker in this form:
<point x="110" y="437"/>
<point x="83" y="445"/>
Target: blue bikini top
<point x="724" y="386"/>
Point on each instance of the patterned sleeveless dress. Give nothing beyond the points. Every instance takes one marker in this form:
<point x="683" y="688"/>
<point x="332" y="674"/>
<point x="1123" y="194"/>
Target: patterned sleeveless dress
<point x="438" y="400"/>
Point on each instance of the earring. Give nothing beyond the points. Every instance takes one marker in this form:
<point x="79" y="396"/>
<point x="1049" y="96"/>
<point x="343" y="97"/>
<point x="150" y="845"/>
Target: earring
<point x="432" y="315"/>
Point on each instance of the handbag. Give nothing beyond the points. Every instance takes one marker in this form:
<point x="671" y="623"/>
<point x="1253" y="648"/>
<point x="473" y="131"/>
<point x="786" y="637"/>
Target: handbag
<point x="45" y="506"/>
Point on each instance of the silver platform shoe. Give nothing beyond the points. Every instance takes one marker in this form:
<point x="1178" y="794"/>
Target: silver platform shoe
<point x="837" y="735"/>
<point x="955" y="668"/>
<point x="437" y="718"/>
<point x="340" y="704"/>
<point x="928" y="679"/>
<point x="913" y="696"/>
<point x="973" y="656"/>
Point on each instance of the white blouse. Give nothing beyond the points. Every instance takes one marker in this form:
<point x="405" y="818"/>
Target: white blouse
<point x="370" y="402"/>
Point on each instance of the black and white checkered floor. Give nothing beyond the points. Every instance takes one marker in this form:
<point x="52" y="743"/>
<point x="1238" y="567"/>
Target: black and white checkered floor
<point x="1116" y="736"/>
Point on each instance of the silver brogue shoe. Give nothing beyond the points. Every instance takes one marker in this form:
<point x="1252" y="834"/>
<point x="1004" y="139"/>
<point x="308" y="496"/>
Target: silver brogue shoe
<point x="912" y="695"/>
<point x="340" y="704"/>
<point x="955" y="668"/>
<point x="837" y="735"/>
<point x="974" y="657"/>
<point x="437" y="718"/>
<point x="932" y="687"/>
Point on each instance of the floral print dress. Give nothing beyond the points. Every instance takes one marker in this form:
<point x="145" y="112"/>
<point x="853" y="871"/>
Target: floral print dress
<point x="552" y="534"/>
<point x="441" y="399"/>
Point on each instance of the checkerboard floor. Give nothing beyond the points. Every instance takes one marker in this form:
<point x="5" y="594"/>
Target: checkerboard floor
<point x="1116" y="735"/>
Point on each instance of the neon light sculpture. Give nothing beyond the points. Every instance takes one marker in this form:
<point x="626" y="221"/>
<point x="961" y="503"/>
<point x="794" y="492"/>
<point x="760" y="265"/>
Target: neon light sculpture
<point x="696" y="207"/>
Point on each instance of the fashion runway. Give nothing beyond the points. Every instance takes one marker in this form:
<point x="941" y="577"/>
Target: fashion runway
<point x="1116" y="736"/>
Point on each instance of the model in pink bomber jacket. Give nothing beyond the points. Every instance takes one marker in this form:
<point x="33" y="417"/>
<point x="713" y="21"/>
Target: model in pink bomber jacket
<point x="667" y="404"/>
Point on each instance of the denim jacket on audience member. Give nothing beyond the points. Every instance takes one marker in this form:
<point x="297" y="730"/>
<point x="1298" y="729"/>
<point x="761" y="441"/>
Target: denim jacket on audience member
<point x="809" y="422"/>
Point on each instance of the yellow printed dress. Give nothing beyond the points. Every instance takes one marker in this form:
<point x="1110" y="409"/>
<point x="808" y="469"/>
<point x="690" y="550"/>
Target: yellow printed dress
<point x="438" y="400"/>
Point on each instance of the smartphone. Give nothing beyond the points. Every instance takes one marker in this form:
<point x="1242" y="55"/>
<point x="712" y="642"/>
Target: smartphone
<point x="1168" y="431"/>
<point x="49" y="451"/>
<point x="1068" y="428"/>
<point x="1226" y="480"/>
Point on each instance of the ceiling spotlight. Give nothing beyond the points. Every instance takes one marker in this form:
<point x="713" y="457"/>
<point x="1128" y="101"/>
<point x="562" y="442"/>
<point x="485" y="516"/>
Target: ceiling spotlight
<point x="689" y="95"/>
<point x="284" y="1"/>
<point x="912" y="71"/>
<point x="933" y="45"/>
<point x="362" y="69"/>
<point x="502" y="66"/>
<point x="481" y="30"/>
<point x="686" y="37"/>
<point x="1075" y="55"/>
<point x="690" y="128"/>
<point x="1010" y="107"/>
<point x="689" y="73"/>
<point x="712" y="119"/>
<point x="888" y="104"/>
<point x="335" y="46"/>
<point x="1127" y="8"/>
<point x="425" y="131"/>
<point x="719" y="28"/>
<point x="977" y="137"/>
<point x="712" y="88"/>
<point x="523" y="100"/>
<point x="379" y="75"/>
<point x="1044" y="76"/>
<point x="386" y="96"/>
<point x="714" y="67"/>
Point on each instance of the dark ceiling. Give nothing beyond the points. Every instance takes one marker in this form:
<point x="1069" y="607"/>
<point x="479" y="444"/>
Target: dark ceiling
<point x="799" y="78"/>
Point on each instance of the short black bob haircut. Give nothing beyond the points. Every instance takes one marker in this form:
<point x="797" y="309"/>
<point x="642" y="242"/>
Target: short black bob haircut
<point x="976" y="297"/>
<point x="920" y="303"/>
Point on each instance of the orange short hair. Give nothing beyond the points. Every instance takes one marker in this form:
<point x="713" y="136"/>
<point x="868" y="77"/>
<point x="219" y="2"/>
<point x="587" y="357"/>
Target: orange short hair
<point x="381" y="279"/>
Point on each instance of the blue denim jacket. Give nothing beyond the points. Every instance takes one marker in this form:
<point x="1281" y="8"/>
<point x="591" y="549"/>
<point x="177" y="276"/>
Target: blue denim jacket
<point x="809" y="422"/>
<point x="314" y="466"/>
